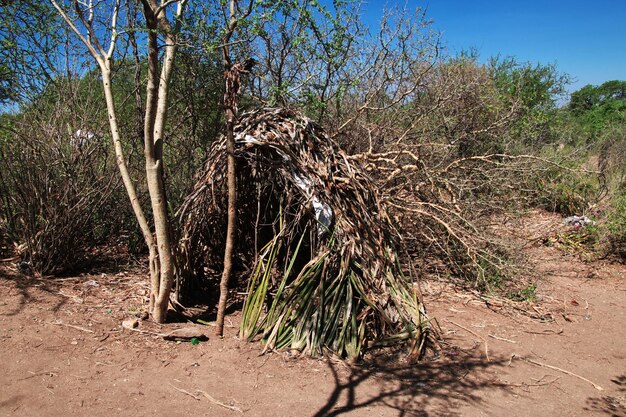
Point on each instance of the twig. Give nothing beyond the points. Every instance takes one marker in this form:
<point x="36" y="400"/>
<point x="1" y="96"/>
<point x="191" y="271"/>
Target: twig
<point x="212" y="323"/>
<point x="478" y="336"/>
<point x="536" y="384"/>
<point x="146" y="332"/>
<point x="596" y="386"/>
<point x="49" y="373"/>
<point x="185" y="392"/>
<point x="112" y="364"/>
<point x="510" y="359"/>
<point x="501" y="338"/>
<point x="545" y="332"/>
<point x="83" y="329"/>
<point x="221" y="404"/>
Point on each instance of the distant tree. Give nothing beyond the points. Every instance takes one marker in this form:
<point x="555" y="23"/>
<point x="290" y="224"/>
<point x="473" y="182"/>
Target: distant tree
<point x="591" y="96"/>
<point x="535" y="90"/>
<point x="597" y="107"/>
<point x="538" y="86"/>
<point x="583" y="99"/>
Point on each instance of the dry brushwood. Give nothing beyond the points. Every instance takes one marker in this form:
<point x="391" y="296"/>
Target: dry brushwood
<point x="315" y="248"/>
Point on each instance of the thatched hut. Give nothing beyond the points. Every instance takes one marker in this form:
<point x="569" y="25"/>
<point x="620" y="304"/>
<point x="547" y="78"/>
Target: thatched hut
<point x="317" y="254"/>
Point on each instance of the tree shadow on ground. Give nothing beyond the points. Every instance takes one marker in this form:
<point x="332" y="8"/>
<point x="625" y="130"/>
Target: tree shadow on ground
<point x="11" y="402"/>
<point x="435" y="387"/>
<point x="26" y="284"/>
<point x="103" y="261"/>
<point x="615" y="406"/>
<point x="21" y="288"/>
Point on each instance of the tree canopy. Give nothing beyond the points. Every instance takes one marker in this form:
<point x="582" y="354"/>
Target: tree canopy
<point x="598" y="107"/>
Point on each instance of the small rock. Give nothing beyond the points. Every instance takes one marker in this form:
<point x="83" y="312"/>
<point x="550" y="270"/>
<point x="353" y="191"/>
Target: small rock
<point x="130" y="324"/>
<point x="186" y="333"/>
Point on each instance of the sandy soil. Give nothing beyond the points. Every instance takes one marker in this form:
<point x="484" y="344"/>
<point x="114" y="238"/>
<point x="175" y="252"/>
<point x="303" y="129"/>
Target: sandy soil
<point x="65" y="353"/>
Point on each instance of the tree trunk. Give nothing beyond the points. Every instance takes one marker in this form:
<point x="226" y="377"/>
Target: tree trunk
<point x="154" y="131"/>
<point x="126" y="179"/>
<point x="160" y="245"/>
<point x="231" y="76"/>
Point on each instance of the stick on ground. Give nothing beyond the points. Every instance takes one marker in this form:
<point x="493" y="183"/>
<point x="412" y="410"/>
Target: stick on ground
<point x="185" y="392"/>
<point x="596" y="386"/>
<point x="82" y="329"/>
<point x="501" y="338"/>
<point x="221" y="404"/>
<point x="477" y="335"/>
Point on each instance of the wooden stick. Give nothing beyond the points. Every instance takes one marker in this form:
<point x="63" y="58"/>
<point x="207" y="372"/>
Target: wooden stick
<point x="185" y="392"/>
<point x="112" y="364"/>
<point x="596" y="386"/>
<point x="83" y="329"/>
<point x="212" y="323"/>
<point x="50" y="373"/>
<point x="536" y="384"/>
<point x="501" y="338"/>
<point x="478" y="336"/>
<point x="221" y="404"/>
<point x="545" y="332"/>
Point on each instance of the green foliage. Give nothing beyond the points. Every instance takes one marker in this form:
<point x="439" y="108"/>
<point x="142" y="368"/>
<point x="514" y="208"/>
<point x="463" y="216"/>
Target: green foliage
<point x="599" y="107"/>
<point x="59" y="185"/>
<point x="532" y="92"/>
<point x="528" y="294"/>
<point x="536" y="86"/>
<point x="566" y="192"/>
<point x="591" y="96"/>
<point x="596" y="116"/>
<point x="196" y="120"/>
<point x="31" y="42"/>
<point x="616" y="225"/>
<point x="488" y="278"/>
<point x="7" y="83"/>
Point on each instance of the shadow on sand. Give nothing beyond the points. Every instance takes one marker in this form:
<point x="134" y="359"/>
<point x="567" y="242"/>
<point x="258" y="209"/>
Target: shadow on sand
<point x="21" y="288"/>
<point x="432" y="387"/>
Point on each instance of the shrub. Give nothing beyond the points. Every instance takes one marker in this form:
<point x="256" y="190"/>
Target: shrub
<point x="55" y="178"/>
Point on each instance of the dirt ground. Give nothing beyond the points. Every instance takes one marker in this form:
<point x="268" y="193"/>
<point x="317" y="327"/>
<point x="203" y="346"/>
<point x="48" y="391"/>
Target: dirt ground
<point x="65" y="353"/>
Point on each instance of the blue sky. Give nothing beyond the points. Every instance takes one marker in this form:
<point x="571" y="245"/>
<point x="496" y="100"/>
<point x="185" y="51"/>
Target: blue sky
<point x="586" y="39"/>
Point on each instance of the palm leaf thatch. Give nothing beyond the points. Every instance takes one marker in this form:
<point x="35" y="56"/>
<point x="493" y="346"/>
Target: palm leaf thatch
<point x="318" y="252"/>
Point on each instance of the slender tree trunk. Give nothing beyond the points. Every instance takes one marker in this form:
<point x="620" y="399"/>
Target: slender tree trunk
<point x="154" y="131"/>
<point x="232" y="78"/>
<point x="126" y="179"/>
<point x="230" y="98"/>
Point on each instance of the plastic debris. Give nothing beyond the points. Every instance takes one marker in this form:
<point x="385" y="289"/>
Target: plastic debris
<point x="578" y="222"/>
<point x="323" y="212"/>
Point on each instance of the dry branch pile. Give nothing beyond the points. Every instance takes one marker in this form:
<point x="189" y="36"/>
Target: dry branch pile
<point x="315" y="247"/>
